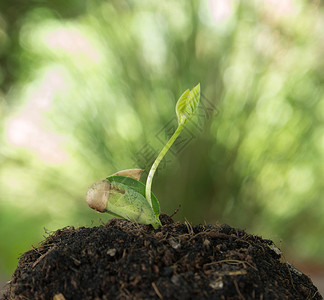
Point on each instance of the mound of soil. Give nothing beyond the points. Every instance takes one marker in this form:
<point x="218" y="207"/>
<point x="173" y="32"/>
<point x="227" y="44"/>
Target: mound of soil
<point x="123" y="260"/>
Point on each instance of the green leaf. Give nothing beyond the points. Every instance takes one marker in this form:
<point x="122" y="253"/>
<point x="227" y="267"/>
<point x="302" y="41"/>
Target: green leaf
<point x="112" y="215"/>
<point x="181" y="106"/>
<point x="139" y="187"/>
<point x="188" y="104"/>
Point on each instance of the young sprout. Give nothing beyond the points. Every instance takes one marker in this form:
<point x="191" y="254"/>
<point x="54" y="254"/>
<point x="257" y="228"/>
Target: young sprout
<point x="122" y="195"/>
<point x="185" y="108"/>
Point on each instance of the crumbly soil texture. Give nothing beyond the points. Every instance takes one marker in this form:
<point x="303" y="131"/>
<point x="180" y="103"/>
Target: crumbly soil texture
<point x="124" y="260"/>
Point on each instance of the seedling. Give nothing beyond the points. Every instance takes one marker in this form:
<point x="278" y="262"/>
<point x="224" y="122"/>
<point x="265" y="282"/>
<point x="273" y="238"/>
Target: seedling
<point x="122" y="195"/>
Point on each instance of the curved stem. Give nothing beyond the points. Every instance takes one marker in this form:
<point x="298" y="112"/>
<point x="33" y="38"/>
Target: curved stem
<point x="157" y="162"/>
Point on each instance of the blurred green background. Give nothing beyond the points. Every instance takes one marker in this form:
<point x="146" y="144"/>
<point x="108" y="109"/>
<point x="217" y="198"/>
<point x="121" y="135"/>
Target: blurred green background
<point x="88" y="88"/>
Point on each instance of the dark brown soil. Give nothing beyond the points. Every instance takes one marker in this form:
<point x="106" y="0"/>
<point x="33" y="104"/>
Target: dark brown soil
<point x="123" y="260"/>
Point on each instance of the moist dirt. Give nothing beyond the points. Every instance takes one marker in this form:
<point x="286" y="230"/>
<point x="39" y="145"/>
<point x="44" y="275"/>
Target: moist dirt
<point x="124" y="260"/>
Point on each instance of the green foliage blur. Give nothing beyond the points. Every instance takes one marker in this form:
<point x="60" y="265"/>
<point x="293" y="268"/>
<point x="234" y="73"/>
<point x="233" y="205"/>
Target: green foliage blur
<point x="88" y="88"/>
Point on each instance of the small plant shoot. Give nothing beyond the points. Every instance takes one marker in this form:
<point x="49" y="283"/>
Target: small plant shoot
<point x="122" y="195"/>
<point x="185" y="108"/>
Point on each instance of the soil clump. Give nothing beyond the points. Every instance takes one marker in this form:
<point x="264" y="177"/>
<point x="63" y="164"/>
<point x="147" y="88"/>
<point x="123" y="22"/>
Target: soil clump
<point x="124" y="260"/>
